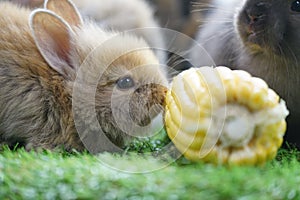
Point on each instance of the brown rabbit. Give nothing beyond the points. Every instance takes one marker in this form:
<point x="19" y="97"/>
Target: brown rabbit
<point x="55" y="56"/>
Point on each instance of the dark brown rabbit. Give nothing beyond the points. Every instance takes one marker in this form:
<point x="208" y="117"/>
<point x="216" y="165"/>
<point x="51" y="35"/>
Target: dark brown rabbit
<point x="261" y="37"/>
<point x="55" y="56"/>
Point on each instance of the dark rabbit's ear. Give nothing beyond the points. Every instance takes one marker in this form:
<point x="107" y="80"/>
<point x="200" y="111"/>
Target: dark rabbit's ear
<point x="66" y="9"/>
<point x="52" y="36"/>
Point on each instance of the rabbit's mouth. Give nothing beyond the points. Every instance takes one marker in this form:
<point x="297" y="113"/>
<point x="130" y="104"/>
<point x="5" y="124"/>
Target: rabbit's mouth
<point x="146" y="103"/>
<point x="150" y="124"/>
<point x="148" y="117"/>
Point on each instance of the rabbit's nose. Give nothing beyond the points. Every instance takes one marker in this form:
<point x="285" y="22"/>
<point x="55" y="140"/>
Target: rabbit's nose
<point x="256" y="14"/>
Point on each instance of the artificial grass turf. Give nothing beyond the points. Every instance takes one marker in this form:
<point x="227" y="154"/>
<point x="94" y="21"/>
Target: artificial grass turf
<point x="57" y="175"/>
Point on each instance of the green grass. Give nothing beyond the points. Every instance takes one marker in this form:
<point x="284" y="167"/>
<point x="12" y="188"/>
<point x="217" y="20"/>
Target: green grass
<point x="56" y="175"/>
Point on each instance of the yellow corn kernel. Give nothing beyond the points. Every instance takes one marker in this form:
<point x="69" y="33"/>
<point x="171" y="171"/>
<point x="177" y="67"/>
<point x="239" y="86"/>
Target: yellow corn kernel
<point x="224" y="116"/>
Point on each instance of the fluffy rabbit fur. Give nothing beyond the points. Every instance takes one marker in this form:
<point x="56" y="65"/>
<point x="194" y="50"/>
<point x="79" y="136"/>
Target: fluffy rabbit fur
<point x="120" y="15"/>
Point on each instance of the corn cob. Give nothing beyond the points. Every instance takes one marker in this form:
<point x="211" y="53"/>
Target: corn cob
<point x="224" y="116"/>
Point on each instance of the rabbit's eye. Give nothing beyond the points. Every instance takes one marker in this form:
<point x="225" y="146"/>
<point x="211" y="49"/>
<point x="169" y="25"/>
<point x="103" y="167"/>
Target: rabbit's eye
<point x="125" y="83"/>
<point x="295" y="6"/>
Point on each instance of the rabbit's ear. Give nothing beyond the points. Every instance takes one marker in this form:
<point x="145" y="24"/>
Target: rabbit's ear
<point x="52" y="36"/>
<point x="66" y="9"/>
